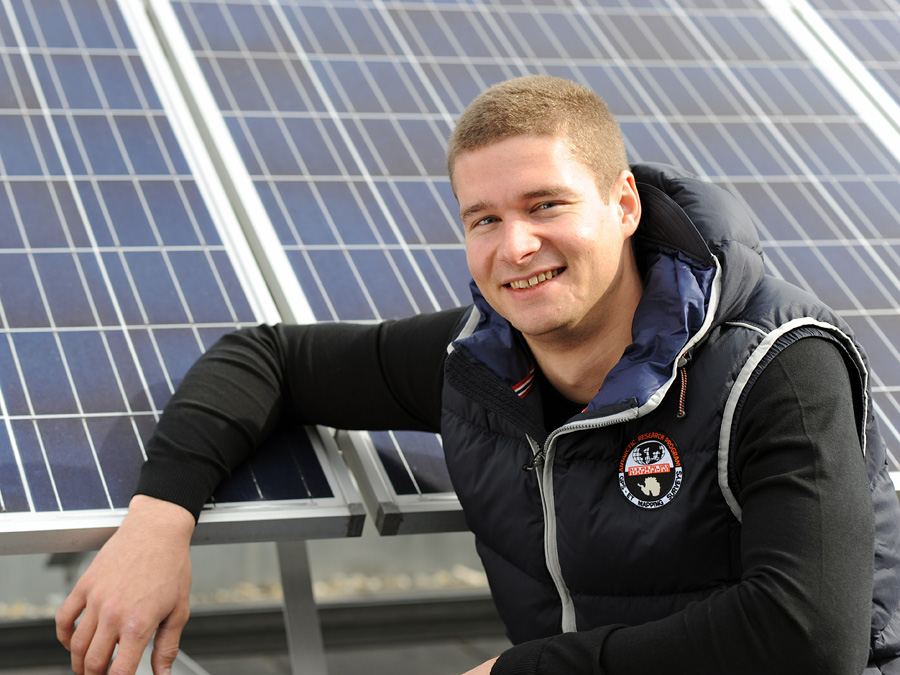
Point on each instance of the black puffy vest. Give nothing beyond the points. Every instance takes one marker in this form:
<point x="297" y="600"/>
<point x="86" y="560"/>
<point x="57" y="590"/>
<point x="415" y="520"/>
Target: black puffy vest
<point x="553" y="511"/>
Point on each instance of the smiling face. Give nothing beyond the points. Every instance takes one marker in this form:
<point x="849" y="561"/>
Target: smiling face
<point x="547" y="250"/>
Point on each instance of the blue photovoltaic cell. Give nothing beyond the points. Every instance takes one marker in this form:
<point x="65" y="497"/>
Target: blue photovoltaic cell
<point x="871" y="30"/>
<point x="274" y="474"/>
<point x="113" y="278"/>
<point x="414" y="462"/>
<point x="341" y="110"/>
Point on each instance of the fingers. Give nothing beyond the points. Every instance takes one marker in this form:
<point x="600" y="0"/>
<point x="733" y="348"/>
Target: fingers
<point x="93" y="643"/>
<point x="66" y="616"/>
<point x="94" y="660"/>
<point x="165" y="646"/>
<point x="128" y="656"/>
<point x="138" y="582"/>
<point x="81" y="640"/>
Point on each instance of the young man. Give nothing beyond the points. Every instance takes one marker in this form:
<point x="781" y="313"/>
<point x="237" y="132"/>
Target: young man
<point x="667" y="457"/>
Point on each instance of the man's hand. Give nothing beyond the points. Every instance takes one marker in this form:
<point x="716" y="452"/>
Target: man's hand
<point x="138" y="583"/>
<point x="483" y="669"/>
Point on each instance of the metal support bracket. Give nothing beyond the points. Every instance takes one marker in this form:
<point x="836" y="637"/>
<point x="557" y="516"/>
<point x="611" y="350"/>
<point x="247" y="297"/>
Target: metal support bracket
<point x="301" y="617"/>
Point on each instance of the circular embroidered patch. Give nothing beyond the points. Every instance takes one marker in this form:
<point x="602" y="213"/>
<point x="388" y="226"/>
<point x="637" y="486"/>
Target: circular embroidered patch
<point x="650" y="471"/>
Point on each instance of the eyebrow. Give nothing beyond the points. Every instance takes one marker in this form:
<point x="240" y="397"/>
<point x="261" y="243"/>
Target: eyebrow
<point x="473" y="209"/>
<point x="548" y="191"/>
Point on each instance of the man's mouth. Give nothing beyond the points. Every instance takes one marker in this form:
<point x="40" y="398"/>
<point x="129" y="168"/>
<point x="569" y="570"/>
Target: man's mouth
<point x="536" y="279"/>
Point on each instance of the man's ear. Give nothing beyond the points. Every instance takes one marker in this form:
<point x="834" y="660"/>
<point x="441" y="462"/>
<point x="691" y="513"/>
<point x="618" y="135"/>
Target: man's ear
<point x="625" y="195"/>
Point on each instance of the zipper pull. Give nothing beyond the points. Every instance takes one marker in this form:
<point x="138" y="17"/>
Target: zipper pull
<point x="682" y="377"/>
<point x="535" y="463"/>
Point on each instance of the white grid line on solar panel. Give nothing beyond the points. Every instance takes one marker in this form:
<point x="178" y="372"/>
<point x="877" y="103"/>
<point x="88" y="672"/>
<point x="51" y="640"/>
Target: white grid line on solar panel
<point x="160" y="144"/>
<point x="259" y="155"/>
<point x="509" y="12"/>
<point x="828" y="258"/>
<point x="866" y="36"/>
<point x="826" y="243"/>
<point x="191" y="215"/>
<point x="405" y="462"/>
<point x="882" y="351"/>
<point x="84" y="418"/>
<point x="854" y="248"/>
<point x="296" y="155"/>
<point x="772" y="204"/>
<point x="873" y="20"/>
<point x="712" y="158"/>
<point x="489" y="52"/>
<point x="141" y="197"/>
<point x="408" y="53"/>
<point x="882" y="265"/>
<point x="17" y="458"/>
<point x="748" y="149"/>
<point x="801" y="162"/>
<point x="624" y="64"/>
<point x="38" y="431"/>
<point x="887" y="415"/>
<point x="51" y="319"/>
<point x="49" y="314"/>
<point x="660" y="90"/>
<point x="367" y="177"/>
<point x="874" y="247"/>
<point x="871" y="36"/>
<point x="874" y="334"/>
<point x="393" y="120"/>
<point x="405" y="50"/>
<point x="358" y="200"/>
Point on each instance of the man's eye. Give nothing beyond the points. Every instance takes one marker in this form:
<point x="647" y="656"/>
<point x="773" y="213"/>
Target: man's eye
<point x="546" y="205"/>
<point x="485" y="221"/>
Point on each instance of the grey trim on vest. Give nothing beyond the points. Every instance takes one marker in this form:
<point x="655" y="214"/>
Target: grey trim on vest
<point x="746" y="374"/>
<point x="551" y="551"/>
<point x="467" y="329"/>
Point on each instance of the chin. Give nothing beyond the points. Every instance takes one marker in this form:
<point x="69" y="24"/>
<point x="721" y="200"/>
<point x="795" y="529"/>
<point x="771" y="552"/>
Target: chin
<point x="531" y="328"/>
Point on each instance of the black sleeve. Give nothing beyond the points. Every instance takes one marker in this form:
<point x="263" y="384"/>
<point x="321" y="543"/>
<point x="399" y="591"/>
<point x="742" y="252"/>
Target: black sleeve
<point x="804" y="600"/>
<point x="348" y="376"/>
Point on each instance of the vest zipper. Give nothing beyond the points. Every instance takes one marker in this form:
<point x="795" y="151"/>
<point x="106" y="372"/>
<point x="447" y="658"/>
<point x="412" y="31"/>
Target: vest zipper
<point x="542" y="464"/>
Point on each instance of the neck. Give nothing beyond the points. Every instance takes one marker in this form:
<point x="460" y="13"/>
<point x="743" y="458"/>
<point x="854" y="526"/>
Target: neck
<point x="577" y="371"/>
<point x="577" y="363"/>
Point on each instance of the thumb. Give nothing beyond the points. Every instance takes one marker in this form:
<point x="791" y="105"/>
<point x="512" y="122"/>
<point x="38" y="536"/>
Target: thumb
<point x="165" y="649"/>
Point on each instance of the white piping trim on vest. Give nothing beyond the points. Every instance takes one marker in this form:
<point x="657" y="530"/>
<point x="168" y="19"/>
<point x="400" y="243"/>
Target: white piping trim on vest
<point x="467" y="329"/>
<point x="744" y="377"/>
<point x="744" y="324"/>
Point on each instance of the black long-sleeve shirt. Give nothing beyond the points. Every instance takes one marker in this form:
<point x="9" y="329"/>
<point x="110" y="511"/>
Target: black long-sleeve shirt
<point x="807" y="539"/>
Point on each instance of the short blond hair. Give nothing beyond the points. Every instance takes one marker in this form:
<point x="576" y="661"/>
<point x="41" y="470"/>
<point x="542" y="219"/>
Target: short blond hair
<point x="541" y="105"/>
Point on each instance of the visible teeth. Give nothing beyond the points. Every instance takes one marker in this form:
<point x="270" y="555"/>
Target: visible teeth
<point x="533" y="281"/>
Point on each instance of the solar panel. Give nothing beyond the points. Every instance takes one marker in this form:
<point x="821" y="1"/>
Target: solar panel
<point x="326" y="122"/>
<point x="340" y="110"/>
<point x="871" y="31"/>
<point x="114" y="277"/>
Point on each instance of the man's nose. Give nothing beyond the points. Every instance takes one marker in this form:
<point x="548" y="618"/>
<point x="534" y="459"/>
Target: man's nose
<point x="520" y="241"/>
